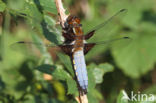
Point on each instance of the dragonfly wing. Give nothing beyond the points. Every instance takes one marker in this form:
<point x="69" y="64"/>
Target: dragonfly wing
<point x="29" y="48"/>
<point x="113" y="40"/>
<point x="89" y="46"/>
<point x="105" y="25"/>
<point x="34" y="43"/>
<point x="23" y="45"/>
<point x="67" y="49"/>
<point x="90" y="34"/>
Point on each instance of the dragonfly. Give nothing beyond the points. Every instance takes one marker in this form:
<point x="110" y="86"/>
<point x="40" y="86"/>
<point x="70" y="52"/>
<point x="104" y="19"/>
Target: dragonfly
<point x="76" y="47"/>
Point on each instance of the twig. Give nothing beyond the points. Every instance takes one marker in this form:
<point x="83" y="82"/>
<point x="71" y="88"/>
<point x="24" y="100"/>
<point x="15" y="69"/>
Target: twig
<point x="62" y="19"/>
<point x="61" y="12"/>
<point x="82" y="98"/>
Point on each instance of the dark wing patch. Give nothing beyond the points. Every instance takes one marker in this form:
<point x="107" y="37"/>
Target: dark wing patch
<point x="67" y="49"/>
<point x="90" y="34"/>
<point x="88" y="47"/>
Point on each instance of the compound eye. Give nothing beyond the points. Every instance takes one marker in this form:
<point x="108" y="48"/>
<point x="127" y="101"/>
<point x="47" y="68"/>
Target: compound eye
<point x="80" y="25"/>
<point x="66" y="25"/>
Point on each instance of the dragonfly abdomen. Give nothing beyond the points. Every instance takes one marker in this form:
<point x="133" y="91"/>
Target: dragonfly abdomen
<point x="80" y="69"/>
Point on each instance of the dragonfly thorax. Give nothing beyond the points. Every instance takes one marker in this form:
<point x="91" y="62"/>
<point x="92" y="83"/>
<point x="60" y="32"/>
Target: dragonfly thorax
<point x="73" y="24"/>
<point x="73" y="33"/>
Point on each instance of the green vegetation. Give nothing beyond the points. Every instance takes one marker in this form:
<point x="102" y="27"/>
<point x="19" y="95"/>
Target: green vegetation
<point x="114" y="69"/>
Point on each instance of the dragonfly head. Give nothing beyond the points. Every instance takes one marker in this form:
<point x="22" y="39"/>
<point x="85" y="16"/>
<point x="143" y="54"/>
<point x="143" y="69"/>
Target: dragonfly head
<point x="72" y="22"/>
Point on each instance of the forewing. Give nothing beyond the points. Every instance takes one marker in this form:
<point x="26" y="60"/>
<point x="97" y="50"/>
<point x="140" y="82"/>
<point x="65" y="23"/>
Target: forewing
<point x="97" y="47"/>
<point x="31" y="47"/>
<point x="107" y="26"/>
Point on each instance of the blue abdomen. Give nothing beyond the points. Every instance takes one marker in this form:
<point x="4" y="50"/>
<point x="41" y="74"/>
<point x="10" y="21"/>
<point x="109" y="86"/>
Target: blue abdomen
<point x="80" y="69"/>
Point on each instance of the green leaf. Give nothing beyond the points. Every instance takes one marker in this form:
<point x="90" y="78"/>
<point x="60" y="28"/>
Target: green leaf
<point x="46" y="68"/>
<point x="33" y="12"/>
<point x="49" y="35"/>
<point x="51" y="27"/>
<point x="67" y="62"/>
<point x="91" y="80"/>
<point x="49" y="20"/>
<point x="49" y="6"/>
<point x="92" y="97"/>
<point x="2" y="6"/>
<point x="72" y="86"/>
<point x="60" y="74"/>
<point x="123" y="97"/>
<point x="47" y="25"/>
<point x="30" y="99"/>
<point x="56" y="71"/>
<point x="133" y="9"/>
<point x="139" y="56"/>
<point x="100" y="70"/>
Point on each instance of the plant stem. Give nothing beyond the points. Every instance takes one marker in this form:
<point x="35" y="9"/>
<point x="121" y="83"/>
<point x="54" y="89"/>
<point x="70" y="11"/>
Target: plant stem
<point x="61" y="12"/>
